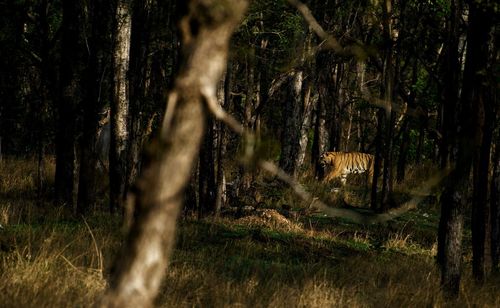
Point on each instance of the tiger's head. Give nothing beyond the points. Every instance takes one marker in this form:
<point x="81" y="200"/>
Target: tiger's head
<point x="326" y="159"/>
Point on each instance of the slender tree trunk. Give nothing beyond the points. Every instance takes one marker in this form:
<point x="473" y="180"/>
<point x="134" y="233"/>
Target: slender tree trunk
<point x="47" y="86"/>
<point x="451" y="81"/>
<point x="405" y="141"/>
<point x="379" y="140"/>
<point x="292" y="119"/>
<point x="70" y="98"/>
<point x="307" y="105"/>
<point x="480" y="210"/>
<point x="320" y="137"/>
<point x="120" y="106"/>
<point x="420" y="143"/>
<point x="335" y="99"/>
<point x="97" y="84"/>
<point x="305" y="126"/>
<point x="387" y="180"/>
<point x="388" y="77"/>
<point x="224" y="90"/>
<point x="206" y="180"/>
<point x="138" y="70"/>
<point x="485" y="126"/>
<point x="158" y="193"/>
<point x="454" y="199"/>
<point x="403" y="150"/>
<point x="251" y="100"/>
<point x="495" y="210"/>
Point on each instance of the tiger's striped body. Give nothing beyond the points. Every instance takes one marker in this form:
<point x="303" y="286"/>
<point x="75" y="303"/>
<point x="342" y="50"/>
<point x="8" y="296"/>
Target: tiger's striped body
<point x="341" y="164"/>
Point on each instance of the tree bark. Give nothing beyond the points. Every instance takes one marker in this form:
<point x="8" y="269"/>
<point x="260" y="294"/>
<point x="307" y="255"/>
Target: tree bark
<point x="223" y="95"/>
<point x="305" y="125"/>
<point x="379" y="144"/>
<point x="405" y="127"/>
<point x="495" y="210"/>
<point x="205" y="30"/>
<point x="206" y="175"/>
<point x="388" y="77"/>
<point x="454" y="199"/>
<point x="485" y="121"/>
<point x="69" y="99"/>
<point x="139" y="72"/>
<point x="451" y="80"/>
<point x="480" y="191"/>
<point x="321" y="137"/>
<point x="97" y="83"/>
<point x="292" y="115"/>
<point x="120" y="106"/>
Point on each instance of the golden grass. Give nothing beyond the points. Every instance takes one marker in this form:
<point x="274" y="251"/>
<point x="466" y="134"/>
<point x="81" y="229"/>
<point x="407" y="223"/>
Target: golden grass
<point x="48" y="259"/>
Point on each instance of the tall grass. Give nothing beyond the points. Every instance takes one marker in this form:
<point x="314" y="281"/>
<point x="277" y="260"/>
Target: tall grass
<point x="50" y="259"/>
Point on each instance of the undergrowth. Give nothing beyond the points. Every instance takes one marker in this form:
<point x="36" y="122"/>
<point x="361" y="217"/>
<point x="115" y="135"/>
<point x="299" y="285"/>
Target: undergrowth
<point x="49" y="258"/>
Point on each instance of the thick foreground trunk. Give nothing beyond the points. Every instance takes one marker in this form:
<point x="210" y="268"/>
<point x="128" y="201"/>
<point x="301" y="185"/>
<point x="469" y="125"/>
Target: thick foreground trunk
<point x="205" y="30"/>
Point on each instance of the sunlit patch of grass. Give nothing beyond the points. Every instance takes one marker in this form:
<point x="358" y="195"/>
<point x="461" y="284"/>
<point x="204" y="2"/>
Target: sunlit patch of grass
<point x="54" y="265"/>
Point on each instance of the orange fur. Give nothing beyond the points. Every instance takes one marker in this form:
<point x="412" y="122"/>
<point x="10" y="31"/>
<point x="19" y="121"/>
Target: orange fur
<point x="341" y="164"/>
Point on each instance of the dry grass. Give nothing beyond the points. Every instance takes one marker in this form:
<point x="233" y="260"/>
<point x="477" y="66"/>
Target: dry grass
<point x="49" y="259"/>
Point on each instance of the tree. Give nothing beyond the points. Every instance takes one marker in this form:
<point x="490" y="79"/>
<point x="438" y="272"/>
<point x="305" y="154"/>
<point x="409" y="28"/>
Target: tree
<point x="495" y="210"/>
<point x="120" y="105"/>
<point x="97" y="82"/>
<point x="70" y="99"/>
<point x="205" y="28"/>
<point x="454" y="198"/>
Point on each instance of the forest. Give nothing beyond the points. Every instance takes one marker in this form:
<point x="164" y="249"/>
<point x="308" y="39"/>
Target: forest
<point x="237" y="153"/>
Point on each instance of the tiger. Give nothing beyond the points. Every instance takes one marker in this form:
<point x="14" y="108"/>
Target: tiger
<point x="341" y="164"/>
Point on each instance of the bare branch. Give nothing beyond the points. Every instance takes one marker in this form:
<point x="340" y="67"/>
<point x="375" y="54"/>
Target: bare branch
<point x="330" y="41"/>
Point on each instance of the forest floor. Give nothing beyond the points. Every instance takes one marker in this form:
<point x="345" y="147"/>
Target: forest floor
<point x="266" y="258"/>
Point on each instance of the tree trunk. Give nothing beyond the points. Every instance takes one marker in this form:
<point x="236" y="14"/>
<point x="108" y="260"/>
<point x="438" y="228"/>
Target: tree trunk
<point x="379" y="144"/>
<point x="454" y="199"/>
<point x="223" y="95"/>
<point x="480" y="210"/>
<point x="420" y="142"/>
<point x="485" y="120"/>
<point x="387" y="180"/>
<point x="388" y="76"/>
<point x="495" y="210"/>
<point x="46" y="91"/>
<point x="305" y="126"/>
<point x="98" y="92"/>
<point x="451" y="80"/>
<point x="139" y="70"/>
<point x="120" y="106"/>
<point x="335" y="99"/>
<point x="249" y="116"/>
<point x="205" y="30"/>
<point x="69" y="100"/>
<point x="206" y="180"/>
<point x="405" y="127"/>
<point x="292" y="115"/>
<point x="321" y="138"/>
<point x="403" y="150"/>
